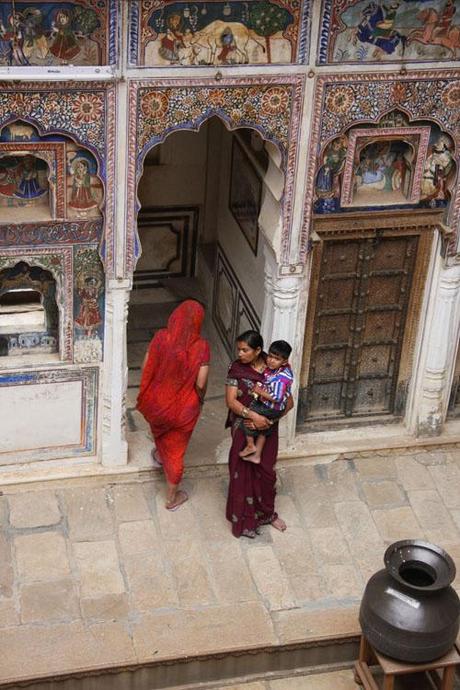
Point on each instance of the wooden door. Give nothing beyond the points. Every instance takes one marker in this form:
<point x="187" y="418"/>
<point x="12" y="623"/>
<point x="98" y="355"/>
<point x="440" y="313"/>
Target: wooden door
<point x="363" y="292"/>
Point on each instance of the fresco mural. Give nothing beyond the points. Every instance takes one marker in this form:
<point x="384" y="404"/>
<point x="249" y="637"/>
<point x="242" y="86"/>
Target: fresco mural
<point x="81" y="32"/>
<point x="386" y="165"/>
<point x="84" y="188"/>
<point x="208" y="32"/>
<point x="389" y="31"/>
<point x="20" y="337"/>
<point x="88" y="306"/>
<point x="23" y="181"/>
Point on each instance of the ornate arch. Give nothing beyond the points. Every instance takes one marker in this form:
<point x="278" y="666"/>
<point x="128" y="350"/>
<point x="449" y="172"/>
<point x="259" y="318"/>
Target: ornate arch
<point x="59" y="263"/>
<point x="270" y="105"/>
<point x="342" y="101"/>
<point x="86" y="114"/>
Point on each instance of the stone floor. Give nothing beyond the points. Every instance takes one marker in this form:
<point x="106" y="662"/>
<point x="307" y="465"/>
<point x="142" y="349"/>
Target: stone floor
<point x="338" y="680"/>
<point x="93" y="573"/>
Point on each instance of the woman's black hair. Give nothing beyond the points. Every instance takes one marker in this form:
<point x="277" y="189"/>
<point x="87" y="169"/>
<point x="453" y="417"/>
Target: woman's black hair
<point x="251" y="338"/>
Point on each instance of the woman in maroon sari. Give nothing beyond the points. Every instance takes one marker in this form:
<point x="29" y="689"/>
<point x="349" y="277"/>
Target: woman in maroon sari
<point x="251" y="493"/>
<point x="173" y="385"/>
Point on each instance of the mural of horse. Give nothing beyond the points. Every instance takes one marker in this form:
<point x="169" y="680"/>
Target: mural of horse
<point x="434" y="33"/>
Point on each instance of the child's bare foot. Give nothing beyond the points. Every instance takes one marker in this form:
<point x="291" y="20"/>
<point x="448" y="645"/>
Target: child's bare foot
<point x="247" y="451"/>
<point x="279" y="524"/>
<point x="254" y="457"/>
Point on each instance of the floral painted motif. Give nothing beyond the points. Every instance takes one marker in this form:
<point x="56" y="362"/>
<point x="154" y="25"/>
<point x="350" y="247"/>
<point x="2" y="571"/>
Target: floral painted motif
<point x="77" y="111"/>
<point x="271" y="105"/>
<point x="342" y="102"/>
<point x="166" y="109"/>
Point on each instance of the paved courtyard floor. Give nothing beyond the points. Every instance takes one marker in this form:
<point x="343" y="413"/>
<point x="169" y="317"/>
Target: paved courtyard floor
<point x="99" y="574"/>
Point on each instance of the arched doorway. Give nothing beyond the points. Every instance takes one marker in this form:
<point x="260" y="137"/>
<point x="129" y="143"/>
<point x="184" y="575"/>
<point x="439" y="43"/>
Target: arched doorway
<point x="208" y="209"/>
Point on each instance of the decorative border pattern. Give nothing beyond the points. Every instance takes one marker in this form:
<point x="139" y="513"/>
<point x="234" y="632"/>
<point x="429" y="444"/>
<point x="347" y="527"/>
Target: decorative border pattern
<point x="58" y="165"/>
<point x="271" y="105"/>
<point x="89" y="378"/>
<point x="342" y="101"/>
<point x="84" y="112"/>
<point x="59" y="261"/>
<point x="51" y="232"/>
<point x="136" y="18"/>
<point x="423" y="133"/>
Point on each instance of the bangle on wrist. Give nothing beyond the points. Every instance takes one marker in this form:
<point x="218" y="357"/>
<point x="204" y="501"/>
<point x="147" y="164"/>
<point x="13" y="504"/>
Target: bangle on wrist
<point x="245" y="412"/>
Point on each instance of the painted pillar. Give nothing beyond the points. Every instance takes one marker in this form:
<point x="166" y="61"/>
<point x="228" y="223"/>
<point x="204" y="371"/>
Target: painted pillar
<point x="115" y="382"/>
<point x="280" y="322"/>
<point x="438" y="351"/>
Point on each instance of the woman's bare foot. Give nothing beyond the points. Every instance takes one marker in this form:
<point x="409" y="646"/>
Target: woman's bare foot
<point x="279" y="524"/>
<point x="178" y="500"/>
<point x="249" y="450"/>
<point x="251" y="458"/>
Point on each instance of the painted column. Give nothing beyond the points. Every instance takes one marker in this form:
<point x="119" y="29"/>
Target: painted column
<point x="115" y="383"/>
<point x="438" y="354"/>
<point x="280" y="322"/>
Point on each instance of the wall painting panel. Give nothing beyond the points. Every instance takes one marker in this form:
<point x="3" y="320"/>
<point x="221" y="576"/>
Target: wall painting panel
<point x="76" y="32"/>
<point x="357" y="31"/>
<point x="218" y="33"/>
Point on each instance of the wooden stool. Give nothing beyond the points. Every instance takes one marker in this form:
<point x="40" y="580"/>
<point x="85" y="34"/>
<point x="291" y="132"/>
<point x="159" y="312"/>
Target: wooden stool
<point x="392" y="668"/>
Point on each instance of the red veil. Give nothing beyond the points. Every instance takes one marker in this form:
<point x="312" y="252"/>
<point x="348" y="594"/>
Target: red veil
<point x="167" y="396"/>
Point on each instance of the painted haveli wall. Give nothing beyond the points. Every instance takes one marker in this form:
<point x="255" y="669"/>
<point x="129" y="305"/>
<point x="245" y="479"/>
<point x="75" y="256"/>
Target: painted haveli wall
<point x="360" y="116"/>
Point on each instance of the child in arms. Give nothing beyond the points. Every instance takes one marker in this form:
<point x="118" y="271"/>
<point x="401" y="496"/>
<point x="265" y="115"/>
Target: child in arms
<point x="270" y="397"/>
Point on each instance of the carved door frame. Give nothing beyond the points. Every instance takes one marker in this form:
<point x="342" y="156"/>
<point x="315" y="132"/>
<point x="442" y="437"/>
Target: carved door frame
<point x="354" y="226"/>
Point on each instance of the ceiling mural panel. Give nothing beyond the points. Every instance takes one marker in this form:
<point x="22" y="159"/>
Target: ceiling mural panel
<point x="364" y="31"/>
<point x="175" y="34"/>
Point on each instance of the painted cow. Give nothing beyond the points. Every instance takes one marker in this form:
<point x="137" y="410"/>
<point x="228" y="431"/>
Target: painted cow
<point x="224" y="42"/>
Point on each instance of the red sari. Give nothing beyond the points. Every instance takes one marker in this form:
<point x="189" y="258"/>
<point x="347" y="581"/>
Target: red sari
<point x="251" y="492"/>
<point x="167" y="396"/>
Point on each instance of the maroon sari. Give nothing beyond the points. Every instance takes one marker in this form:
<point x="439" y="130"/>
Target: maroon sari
<point x="251" y="493"/>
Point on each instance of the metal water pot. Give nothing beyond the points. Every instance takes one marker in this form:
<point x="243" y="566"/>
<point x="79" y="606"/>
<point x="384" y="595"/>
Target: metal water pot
<point x="409" y="610"/>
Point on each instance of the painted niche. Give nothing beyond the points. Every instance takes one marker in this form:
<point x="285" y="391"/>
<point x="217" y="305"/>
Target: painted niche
<point x="218" y="33"/>
<point x="46" y="178"/>
<point x="56" y="33"/>
<point x="392" y="164"/>
<point x="391" y="31"/>
<point x="29" y="315"/>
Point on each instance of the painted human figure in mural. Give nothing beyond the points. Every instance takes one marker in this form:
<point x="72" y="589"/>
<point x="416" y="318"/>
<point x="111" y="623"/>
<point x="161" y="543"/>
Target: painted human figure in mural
<point x="89" y="315"/>
<point x="8" y="179"/>
<point x="229" y="47"/>
<point x="438" y="166"/>
<point x="377" y="27"/>
<point x="12" y="41"/>
<point x="445" y="20"/>
<point x="81" y="196"/>
<point x="64" y="43"/>
<point x="35" y="41"/>
<point x="328" y="176"/>
<point x="173" y="40"/>
<point x="28" y="181"/>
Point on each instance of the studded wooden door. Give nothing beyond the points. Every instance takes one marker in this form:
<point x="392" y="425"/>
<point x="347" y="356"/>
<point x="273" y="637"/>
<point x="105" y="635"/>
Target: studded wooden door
<point x="363" y="292"/>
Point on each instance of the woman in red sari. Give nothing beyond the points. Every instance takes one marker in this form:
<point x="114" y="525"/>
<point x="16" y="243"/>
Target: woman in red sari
<point x="173" y="385"/>
<point x="251" y="493"/>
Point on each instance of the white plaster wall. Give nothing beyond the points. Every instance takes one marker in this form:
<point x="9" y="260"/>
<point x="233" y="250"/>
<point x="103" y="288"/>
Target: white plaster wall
<point x="248" y="268"/>
<point x="180" y="179"/>
<point x="37" y="428"/>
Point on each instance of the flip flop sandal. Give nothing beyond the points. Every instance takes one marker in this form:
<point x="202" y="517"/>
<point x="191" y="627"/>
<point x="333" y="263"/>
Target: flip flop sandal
<point x="178" y="504"/>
